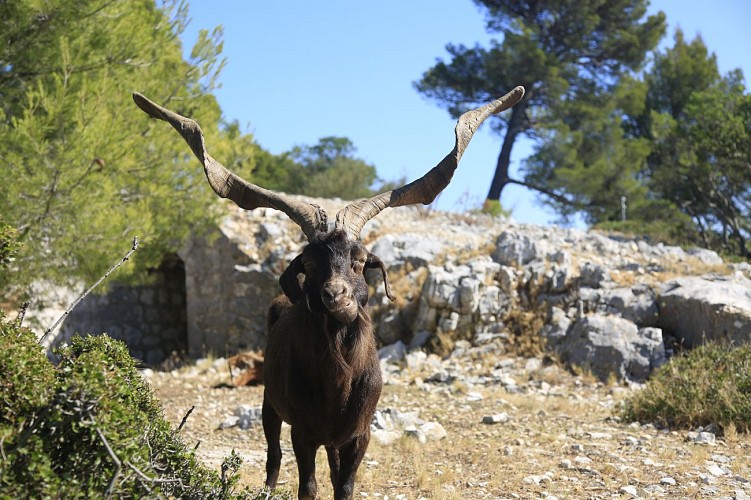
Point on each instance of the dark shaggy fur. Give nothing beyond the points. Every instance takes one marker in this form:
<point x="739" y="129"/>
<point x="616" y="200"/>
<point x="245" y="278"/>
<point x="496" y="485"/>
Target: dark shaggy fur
<point x="321" y="369"/>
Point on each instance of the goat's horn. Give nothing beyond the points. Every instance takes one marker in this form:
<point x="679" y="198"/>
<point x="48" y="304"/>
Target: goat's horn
<point x="425" y="189"/>
<point x="309" y="217"/>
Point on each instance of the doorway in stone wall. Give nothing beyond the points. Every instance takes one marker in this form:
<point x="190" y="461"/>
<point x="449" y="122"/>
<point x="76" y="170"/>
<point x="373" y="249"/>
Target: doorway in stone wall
<point x="169" y="313"/>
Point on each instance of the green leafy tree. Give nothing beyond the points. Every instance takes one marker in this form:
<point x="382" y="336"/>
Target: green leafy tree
<point x="698" y="124"/>
<point x="585" y="163"/>
<point x="554" y="49"/>
<point x="84" y="170"/>
<point x="710" y="179"/>
<point x="330" y="169"/>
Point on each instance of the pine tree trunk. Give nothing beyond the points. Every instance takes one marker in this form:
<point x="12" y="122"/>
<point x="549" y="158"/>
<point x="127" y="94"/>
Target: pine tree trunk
<point x="501" y="177"/>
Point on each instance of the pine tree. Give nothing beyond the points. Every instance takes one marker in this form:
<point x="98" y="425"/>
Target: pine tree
<point x="554" y="49"/>
<point x="84" y="171"/>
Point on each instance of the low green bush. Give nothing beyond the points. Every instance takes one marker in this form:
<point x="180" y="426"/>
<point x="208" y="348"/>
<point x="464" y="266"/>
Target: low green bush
<point x="91" y="427"/>
<point x="656" y="231"/>
<point x="708" y="385"/>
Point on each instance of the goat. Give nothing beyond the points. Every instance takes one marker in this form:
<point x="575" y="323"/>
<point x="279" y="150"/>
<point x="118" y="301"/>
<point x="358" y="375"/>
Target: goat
<point x="321" y="371"/>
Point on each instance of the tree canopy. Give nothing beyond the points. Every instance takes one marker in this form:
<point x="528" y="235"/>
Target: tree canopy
<point x="556" y="49"/>
<point x="673" y="145"/>
<point x="86" y="171"/>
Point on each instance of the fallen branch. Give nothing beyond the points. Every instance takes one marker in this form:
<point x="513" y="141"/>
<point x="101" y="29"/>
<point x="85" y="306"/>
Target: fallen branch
<point x="84" y="294"/>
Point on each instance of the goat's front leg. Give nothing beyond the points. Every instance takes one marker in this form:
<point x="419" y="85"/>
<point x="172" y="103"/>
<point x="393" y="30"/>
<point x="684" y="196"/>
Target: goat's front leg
<point x="350" y="456"/>
<point x="272" y="426"/>
<point x="333" y="455"/>
<point x="305" y="453"/>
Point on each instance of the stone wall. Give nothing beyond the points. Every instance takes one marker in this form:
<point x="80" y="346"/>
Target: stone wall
<point x="228" y="293"/>
<point x="150" y="319"/>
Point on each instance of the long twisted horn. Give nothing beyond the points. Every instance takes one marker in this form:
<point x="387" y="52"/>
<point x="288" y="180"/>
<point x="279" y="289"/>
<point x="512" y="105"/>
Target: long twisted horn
<point x="424" y="190"/>
<point x="309" y="217"/>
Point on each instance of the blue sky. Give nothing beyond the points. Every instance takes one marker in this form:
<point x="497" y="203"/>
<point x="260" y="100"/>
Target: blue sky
<point x="299" y="70"/>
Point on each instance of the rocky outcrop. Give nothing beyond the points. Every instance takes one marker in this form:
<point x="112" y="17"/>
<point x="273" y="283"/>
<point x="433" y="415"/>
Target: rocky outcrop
<point x="603" y="302"/>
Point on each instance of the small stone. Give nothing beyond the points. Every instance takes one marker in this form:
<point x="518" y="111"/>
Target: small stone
<point x="229" y="422"/>
<point x="707" y="478"/>
<point x="654" y="489"/>
<point x="715" y="470"/>
<point x="582" y="460"/>
<point x="393" y="353"/>
<point x="701" y="437"/>
<point x="474" y="396"/>
<point x="565" y="464"/>
<point x="721" y="459"/>
<point x="629" y="490"/>
<point x="631" y="441"/>
<point x="441" y="377"/>
<point x="416" y="359"/>
<point x="415" y="433"/>
<point x="385" y="437"/>
<point x="577" y="448"/>
<point x="498" y="418"/>
<point x="668" y="481"/>
<point x="433" y="431"/>
<point x="600" y="435"/>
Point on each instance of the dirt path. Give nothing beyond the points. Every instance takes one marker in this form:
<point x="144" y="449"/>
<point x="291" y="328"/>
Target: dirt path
<point x="560" y="437"/>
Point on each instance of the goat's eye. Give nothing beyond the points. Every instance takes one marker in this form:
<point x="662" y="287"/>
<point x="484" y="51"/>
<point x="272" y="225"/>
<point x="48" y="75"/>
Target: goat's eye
<point x="308" y="264"/>
<point x="358" y="265"/>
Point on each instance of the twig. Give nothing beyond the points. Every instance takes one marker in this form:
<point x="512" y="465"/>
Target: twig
<point x="144" y="477"/>
<point x="118" y="464"/>
<point x="185" y="418"/>
<point x="22" y="314"/>
<point x="84" y="294"/>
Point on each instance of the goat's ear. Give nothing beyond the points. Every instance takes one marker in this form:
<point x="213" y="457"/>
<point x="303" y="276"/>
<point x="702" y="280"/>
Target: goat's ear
<point x="373" y="262"/>
<point x="288" y="280"/>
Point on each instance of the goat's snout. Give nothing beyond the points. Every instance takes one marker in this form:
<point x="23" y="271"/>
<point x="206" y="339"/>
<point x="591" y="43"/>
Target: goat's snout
<point x="336" y="295"/>
<point x="335" y="292"/>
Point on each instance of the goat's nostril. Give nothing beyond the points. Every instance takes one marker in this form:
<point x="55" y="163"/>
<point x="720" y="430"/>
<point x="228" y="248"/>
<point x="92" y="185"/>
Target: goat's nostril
<point x="333" y="290"/>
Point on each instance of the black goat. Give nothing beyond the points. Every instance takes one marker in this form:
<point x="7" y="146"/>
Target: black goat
<point x="321" y="370"/>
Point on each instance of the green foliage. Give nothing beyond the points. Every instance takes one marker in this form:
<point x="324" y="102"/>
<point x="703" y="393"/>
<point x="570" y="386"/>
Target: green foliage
<point x="700" y="127"/>
<point x="494" y="208"/>
<point x="671" y="232"/>
<point x="329" y="169"/>
<point x="9" y="248"/>
<point x="586" y="163"/>
<point x="28" y="377"/>
<point x="91" y="426"/>
<point x="85" y="169"/>
<point x="552" y="48"/>
<point x="708" y="385"/>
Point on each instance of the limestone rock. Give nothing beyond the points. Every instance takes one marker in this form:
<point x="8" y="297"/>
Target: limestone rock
<point x="707" y="308"/>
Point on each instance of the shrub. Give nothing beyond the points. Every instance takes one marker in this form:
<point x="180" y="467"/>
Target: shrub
<point x="657" y="231"/>
<point x="708" y="385"/>
<point x="92" y="427"/>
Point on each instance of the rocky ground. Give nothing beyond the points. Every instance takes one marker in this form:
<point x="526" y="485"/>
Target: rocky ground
<point x="479" y="424"/>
